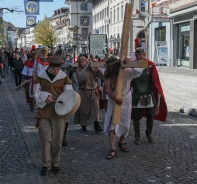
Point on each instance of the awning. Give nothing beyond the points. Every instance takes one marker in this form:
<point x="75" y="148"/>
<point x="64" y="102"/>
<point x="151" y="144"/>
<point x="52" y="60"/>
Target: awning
<point x="183" y="11"/>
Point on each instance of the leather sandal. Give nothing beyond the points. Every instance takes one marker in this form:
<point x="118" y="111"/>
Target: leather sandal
<point x="111" y="155"/>
<point x="123" y="147"/>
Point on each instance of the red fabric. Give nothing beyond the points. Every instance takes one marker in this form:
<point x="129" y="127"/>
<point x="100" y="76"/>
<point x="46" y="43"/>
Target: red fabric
<point x="27" y="97"/>
<point x="101" y="60"/>
<point x="29" y="63"/>
<point x="137" y="42"/>
<point x="101" y="102"/>
<point x="42" y="63"/>
<point x="37" y="123"/>
<point x="74" y="59"/>
<point x="157" y="88"/>
<point x="32" y="49"/>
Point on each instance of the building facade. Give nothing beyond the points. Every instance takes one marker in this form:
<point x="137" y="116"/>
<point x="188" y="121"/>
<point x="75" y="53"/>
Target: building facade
<point x="80" y="23"/>
<point x="60" y="21"/>
<point x="158" y="28"/>
<point x="184" y="32"/>
<point x="108" y="18"/>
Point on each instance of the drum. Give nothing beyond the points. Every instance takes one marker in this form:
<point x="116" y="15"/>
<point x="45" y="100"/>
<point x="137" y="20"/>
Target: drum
<point x="67" y="103"/>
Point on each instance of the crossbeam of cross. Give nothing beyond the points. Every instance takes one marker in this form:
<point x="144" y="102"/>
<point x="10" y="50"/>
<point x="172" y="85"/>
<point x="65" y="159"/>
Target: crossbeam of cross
<point x="131" y="64"/>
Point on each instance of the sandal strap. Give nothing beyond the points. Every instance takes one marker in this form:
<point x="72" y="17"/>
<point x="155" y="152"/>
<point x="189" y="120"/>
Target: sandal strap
<point x="123" y="146"/>
<point x="110" y="156"/>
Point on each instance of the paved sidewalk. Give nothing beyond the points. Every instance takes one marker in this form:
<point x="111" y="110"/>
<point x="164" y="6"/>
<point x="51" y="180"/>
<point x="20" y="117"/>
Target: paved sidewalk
<point x="173" y="159"/>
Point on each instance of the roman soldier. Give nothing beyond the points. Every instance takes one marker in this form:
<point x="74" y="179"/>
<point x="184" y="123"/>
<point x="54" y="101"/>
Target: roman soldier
<point x="147" y="99"/>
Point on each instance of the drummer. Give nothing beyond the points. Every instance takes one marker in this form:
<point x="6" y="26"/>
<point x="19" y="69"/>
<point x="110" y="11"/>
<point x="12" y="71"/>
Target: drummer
<point x="49" y="84"/>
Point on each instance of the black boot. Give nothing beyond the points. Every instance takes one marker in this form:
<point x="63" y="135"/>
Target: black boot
<point x="64" y="142"/>
<point x="136" y="125"/>
<point x="149" y="125"/>
<point x="97" y="126"/>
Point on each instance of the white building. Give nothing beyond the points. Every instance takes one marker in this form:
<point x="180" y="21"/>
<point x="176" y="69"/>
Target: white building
<point x="11" y="31"/>
<point x="60" y="21"/>
<point x="29" y="37"/>
<point x="159" y="32"/>
<point x="108" y="17"/>
<point x="80" y="23"/>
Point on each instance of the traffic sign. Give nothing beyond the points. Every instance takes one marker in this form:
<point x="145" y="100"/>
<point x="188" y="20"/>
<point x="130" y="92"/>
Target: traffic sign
<point x="78" y="36"/>
<point x="97" y="31"/>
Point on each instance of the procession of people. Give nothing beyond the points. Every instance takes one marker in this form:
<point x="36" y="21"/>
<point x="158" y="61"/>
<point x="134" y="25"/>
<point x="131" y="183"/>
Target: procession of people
<point x="46" y="74"/>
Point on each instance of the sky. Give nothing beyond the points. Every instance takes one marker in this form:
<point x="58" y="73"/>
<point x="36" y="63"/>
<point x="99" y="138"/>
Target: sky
<point x="19" y="19"/>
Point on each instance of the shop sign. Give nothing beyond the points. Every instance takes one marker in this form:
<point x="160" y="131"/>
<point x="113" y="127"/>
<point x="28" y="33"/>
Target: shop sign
<point x="185" y="28"/>
<point x="105" y="21"/>
<point x="162" y="51"/>
<point x="97" y="44"/>
<point x="161" y="19"/>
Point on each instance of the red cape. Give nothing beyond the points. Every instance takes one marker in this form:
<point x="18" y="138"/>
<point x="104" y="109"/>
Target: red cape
<point x="29" y="63"/>
<point x="42" y="63"/>
<point x="160" y="109"/>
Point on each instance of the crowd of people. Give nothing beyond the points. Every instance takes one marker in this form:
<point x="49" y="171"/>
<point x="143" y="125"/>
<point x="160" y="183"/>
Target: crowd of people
<point x="47" y="74"/>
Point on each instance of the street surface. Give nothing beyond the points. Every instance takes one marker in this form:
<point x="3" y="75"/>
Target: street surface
<point x="171" y="160"/>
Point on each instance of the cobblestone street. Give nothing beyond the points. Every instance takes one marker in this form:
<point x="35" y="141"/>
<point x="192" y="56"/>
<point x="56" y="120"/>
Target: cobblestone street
<point x="171" y="160"/>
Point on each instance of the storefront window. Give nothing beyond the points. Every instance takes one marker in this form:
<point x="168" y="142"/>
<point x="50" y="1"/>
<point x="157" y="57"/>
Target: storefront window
<point x="160" y="34"/>
<point x="183" y="43"/>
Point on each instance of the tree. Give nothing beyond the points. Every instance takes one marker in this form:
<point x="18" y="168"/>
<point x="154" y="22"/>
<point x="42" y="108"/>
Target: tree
<point x="44" y="33"/>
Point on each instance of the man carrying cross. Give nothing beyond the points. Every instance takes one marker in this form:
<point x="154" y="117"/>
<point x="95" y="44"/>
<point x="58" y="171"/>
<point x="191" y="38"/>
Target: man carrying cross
<point x="122" y="128"/>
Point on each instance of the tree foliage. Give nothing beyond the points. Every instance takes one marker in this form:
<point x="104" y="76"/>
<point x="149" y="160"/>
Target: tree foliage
<point x="44" y="33"/>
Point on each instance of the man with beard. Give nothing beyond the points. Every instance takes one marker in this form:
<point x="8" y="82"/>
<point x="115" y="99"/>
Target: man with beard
<point x="121" y="129"/>
<point x="89" y="107"/>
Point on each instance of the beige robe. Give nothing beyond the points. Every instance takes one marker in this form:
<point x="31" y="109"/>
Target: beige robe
<point x="89" y="107"/>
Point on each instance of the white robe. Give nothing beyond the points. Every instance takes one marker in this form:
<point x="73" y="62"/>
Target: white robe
<point x="37" y="68"/>
<point x="123" y="127"/>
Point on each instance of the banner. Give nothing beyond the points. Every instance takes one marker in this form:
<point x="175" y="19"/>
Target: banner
<point x="42" y="0"/>
<point x="31" y="7"/>
<point x="31" y="20"/>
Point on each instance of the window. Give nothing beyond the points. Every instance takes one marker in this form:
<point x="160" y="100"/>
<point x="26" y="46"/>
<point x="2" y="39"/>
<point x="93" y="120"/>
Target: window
<point x="110" y="16"/>
<point x="114" y="16"/>
<point x="84" y="33"/>
<point x="122" y="12"/>
<point x="160" y="34"/>
<point x="142" y="6"/>
<point x="84" y="20"/>
<point x="84" y="6"/>
<point x="183" y="43"/>
<point x="118" y="15"/>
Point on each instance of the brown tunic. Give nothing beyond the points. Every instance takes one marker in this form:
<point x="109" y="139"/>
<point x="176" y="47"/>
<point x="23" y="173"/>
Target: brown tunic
<point x="47" y="87"/>
<point x="89" y="107"/>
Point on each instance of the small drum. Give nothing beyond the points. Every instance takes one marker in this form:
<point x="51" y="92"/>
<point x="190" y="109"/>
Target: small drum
<point x="67" y="103"/>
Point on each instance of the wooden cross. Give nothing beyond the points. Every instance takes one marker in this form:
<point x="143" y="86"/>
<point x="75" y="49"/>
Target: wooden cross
<point x="123" y="55"/>
<point x="132" y="64"/>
